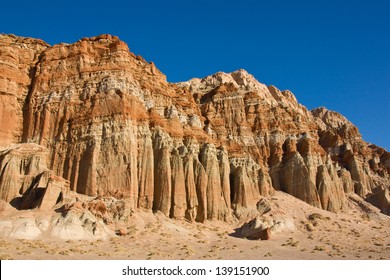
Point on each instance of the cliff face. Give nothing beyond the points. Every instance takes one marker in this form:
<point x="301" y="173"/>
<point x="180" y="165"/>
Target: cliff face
<point x="112" y="125"/>
<point x="18" y="57"/>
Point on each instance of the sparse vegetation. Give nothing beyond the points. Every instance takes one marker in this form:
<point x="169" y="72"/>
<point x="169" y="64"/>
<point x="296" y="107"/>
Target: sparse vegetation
<point x="319" y="248"/>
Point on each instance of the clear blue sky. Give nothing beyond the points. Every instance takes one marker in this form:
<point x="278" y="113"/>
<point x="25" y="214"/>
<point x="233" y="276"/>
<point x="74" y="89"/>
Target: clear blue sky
<point x="328" y="53"/>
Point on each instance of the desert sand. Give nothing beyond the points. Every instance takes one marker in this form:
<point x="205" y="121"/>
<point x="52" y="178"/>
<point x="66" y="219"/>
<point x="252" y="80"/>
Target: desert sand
<point x="359" y="232"/>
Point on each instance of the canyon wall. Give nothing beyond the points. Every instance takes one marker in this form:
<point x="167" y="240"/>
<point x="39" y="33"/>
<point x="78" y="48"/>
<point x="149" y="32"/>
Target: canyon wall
<point x="109" y="124"/>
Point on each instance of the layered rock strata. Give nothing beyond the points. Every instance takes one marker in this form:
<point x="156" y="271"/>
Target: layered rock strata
<point x="201" y="150"/>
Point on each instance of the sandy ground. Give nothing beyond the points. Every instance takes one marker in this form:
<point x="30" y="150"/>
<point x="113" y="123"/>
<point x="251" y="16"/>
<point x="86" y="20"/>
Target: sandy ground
<point x="356" y="233"/>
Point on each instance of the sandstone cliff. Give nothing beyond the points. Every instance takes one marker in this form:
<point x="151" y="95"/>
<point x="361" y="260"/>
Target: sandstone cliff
<point x="109" y="124"/>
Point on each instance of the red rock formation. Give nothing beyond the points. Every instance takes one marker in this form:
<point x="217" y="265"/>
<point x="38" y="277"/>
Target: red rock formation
<point x="112" y="125"/>
<point x="18" y="57"/>
<point x="20" y="165"/>
<point x="24" y="173"/>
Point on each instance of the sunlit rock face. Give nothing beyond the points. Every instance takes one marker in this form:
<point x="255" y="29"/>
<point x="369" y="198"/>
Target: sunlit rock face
<point x="109" y="124"/>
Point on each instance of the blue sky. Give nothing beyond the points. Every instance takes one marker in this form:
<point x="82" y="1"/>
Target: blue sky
<point x="328" y="53"/>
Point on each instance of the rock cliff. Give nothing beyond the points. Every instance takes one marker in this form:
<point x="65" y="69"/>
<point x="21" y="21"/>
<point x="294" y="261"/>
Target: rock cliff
<point x="109" y="124"/>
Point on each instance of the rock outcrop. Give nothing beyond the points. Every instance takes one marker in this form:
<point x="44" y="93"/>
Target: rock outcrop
<point x="25" y="180"/>
<point x="267" y="223"/>
<point x="109" y="124"/>
<point x="381" y="199"/>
